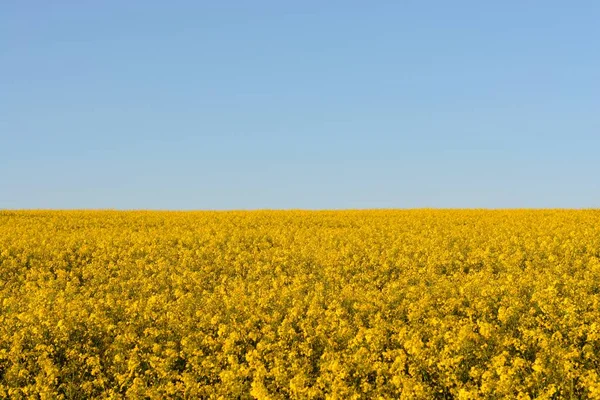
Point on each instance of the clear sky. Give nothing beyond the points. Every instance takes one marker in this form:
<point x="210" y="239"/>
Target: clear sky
<point x="299" y="104"/>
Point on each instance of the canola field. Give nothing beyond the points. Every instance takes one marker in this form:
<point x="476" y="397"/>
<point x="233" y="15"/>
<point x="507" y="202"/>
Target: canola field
<point x="378" y="304"/>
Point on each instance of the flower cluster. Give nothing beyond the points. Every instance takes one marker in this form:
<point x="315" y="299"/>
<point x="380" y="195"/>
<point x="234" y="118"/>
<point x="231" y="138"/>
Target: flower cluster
<point x="378" y="304"/>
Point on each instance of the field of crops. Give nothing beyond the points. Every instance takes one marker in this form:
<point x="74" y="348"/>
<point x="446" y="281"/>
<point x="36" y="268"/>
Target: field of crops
<point x="382" y="304"/>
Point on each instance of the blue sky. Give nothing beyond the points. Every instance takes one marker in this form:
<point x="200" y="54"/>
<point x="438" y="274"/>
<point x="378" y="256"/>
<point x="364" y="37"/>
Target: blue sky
<point x="312" y="104"/>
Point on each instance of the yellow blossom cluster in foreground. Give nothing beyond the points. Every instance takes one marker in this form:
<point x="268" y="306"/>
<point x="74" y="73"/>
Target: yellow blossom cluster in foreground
<point x="378" y="304"/>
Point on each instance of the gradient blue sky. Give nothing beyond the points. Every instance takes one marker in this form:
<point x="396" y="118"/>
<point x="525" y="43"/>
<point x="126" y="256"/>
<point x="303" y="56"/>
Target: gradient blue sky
<point x="308" y="104"/>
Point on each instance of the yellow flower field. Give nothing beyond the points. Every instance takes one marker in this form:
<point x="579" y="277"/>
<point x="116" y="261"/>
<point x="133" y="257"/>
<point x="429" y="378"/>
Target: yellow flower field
<point x="379" y="304"/>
